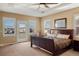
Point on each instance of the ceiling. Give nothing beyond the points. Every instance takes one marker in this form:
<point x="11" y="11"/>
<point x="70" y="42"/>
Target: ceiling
<point x="32" y="10"/>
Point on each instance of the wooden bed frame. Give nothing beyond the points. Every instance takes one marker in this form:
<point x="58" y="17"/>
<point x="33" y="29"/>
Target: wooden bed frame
<point x="48" y="44"/>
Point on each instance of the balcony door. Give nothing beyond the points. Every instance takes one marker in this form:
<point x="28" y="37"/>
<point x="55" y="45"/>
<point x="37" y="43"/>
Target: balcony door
<point x="22" y="31"/>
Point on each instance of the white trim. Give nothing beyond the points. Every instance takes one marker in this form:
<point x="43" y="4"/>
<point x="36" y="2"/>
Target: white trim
<point x="75" y="17"/>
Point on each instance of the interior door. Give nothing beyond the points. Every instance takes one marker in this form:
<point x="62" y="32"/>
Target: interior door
<point x="22" y="31"/>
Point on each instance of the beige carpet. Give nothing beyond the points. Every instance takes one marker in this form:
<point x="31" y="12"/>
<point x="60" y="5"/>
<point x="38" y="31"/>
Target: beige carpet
<point x="24" y="49"/>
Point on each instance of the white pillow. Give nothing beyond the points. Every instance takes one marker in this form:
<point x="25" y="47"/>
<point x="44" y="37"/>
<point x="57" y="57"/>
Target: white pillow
<point x="51" y="35"/>
<point x="62" y="36"/>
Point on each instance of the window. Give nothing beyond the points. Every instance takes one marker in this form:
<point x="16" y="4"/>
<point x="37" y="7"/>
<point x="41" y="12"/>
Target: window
<point x="9" y="26"/>
<point x="32" y="25"/>
<point x="22" y="27"/>
<point x="47" y="25"/>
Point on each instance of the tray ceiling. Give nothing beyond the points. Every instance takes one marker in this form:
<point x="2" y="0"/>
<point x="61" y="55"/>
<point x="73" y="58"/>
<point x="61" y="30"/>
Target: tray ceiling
<point x="32" y="9"/>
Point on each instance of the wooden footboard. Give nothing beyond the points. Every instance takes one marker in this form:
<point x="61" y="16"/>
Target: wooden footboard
<point x="45" y="43"/>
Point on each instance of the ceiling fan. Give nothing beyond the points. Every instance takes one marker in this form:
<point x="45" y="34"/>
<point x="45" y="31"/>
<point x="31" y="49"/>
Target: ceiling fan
<point x="46" y="5"/>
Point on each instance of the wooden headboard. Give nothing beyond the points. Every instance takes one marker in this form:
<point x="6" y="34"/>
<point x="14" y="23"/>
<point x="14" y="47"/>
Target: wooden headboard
<point x="65" y="31"/>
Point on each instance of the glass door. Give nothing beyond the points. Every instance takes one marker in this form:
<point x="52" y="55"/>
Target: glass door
<point x="22" y="31"/>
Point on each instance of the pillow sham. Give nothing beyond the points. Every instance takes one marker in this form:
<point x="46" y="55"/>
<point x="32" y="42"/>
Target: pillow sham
<point x="62" y="36"/>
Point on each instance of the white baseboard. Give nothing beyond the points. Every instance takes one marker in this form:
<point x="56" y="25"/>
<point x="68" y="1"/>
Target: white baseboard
<point x="7" y="44"/>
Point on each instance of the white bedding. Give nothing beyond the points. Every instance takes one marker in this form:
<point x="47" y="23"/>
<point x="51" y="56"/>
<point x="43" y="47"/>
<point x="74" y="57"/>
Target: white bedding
<point x="61" y="43"/>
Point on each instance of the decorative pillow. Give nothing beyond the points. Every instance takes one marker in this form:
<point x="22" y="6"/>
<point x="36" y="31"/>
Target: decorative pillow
<point x="62" y="36"/>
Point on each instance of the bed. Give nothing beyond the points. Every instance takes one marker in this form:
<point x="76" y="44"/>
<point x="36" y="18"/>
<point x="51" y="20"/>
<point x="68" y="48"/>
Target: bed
<point x="54" y="45"/>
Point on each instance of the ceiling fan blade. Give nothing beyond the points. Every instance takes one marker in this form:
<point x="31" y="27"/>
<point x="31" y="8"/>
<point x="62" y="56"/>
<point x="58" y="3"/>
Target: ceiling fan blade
<point x="46" y="5"/>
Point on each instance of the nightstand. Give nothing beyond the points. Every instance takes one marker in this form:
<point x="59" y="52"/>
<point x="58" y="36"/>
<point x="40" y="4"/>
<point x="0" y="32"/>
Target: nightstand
<point x="76" y="45"/>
